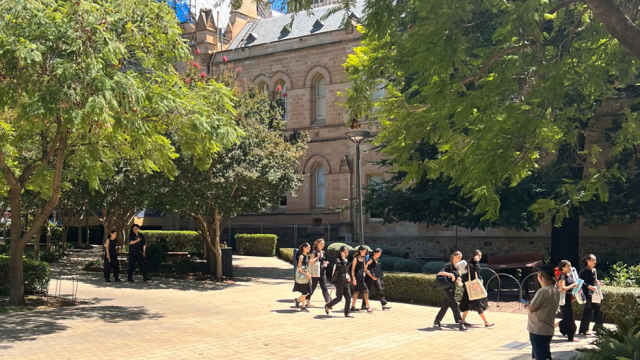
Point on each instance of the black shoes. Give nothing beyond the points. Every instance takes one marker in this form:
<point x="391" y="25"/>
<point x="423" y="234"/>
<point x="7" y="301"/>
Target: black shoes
<point x="437" y="323"/>
<point x="326" y="310"/>
<point x="461" y="326"/>
<point x="386" y="308"/>
<point x="131" y="280"/>
<point x="117" y="280"/>
<point x="107" y="280"/>
<point x="297" y="303"/>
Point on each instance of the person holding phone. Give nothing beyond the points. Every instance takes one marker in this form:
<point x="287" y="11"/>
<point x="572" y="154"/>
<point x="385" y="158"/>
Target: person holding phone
<point x="358" y="269"/>
<point x="542" y="313"/>
<point x="111" y="261"/>
<point x="565" y="284"/>
<point x="589" y="275"/>
<point x="317" y="255"/>
<point x="478" y="305"/>
<point x="340" y="278"/>
<point x="450" y="269"/>
<point x="137" y="253"/>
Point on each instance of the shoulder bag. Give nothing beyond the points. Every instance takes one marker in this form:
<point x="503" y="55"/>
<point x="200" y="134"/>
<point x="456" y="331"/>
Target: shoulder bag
<point x="597" y="295"/>
<point x="300" y="277"/>
<point x="443" y="282"/>
<point x="314" y="269"/>
<point x="474" y="287"/>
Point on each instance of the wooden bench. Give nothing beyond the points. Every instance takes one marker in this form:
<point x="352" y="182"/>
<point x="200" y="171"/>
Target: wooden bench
<point x="518" y="261"/>
<point x="176" y="256"/>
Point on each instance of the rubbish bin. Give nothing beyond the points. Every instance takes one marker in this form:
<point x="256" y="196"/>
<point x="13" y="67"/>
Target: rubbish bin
<point x="227" y="262"/>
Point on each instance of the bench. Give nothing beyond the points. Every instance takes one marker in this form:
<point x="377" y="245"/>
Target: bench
<point x="518" y="261"/>
<point x="176" y="256"/>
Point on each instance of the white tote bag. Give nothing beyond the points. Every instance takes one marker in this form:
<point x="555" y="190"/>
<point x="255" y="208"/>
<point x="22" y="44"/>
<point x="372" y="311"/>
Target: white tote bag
<point x="474" y="288"/>
<point x="597" y="296"/>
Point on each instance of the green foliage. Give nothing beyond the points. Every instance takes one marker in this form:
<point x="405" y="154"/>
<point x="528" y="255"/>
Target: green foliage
<point x="414" y="289"/>
<point x="36" y="276"/>
<point x="507" y="87"/>
<point x="182" y="267"/>
<point x="50" y="256"/>
<point x="624" y="275"/>
<point x="618" y="303"/>
<point x="256" y="244"/>
<point x="334" y="248"/>
<point x="433" y="267"/>
<point x="407" y="265"/>
<point x="286" y="254"/>
<point x="175" y="241"/>
<point x="621" y="343"/>
<point x="392" y="251"/>
<point x="389" y="262"/>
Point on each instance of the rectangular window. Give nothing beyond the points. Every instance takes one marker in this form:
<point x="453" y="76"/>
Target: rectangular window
<point x="377" y="95"/>
<point x="375" y="180"/>
<point x="283" y="201"/>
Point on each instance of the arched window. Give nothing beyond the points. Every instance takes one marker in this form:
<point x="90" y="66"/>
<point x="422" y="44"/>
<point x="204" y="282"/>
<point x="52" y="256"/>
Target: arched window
<point x="263" y="87"/>
<point x="283" y="96"/>
<point x="320" y="187"/>
<point x="321" y="97"/>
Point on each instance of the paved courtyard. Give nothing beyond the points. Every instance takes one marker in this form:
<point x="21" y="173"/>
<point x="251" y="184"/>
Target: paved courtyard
<point x="254" y="319"/>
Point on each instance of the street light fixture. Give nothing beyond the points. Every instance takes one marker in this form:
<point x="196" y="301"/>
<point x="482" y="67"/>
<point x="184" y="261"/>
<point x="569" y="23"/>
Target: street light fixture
<point x="357" y="137"/>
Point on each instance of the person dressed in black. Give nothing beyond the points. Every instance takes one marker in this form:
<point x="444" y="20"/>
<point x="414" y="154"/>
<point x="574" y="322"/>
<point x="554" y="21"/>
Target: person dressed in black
<point x="317" y="255"/>
<point x="565" y="284"/>
<point x="588" y="274"/>
<point x="478" y="305"/>
<point x="340" y="278"/>
<point x="358" y="268"/>
<point x="449" y="300"/>
<point x="373" y="278"/>
<point x="137" y="252"/>
<point x="303" y="268"/>
<point x="111" y="261"/>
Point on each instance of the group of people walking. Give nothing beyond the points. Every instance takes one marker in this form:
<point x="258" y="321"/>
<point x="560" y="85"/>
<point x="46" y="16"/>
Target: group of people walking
<point x="364" y="272"/>
<point x="137" y="253"/>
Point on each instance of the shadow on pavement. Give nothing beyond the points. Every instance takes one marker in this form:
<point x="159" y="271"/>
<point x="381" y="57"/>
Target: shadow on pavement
<point x="27" y="326"/>
<point x="263" y="272"/>
<point x="156" y="283"/>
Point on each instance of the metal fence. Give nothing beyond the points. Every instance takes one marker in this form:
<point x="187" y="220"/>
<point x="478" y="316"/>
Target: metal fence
<point x="289" y="235"/>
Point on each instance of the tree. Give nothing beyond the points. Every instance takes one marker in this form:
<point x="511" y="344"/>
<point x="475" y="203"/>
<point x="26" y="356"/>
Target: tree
<point x="85" y="82"/>
<point x="245" y="178"/>
<point x="500" y="89"/>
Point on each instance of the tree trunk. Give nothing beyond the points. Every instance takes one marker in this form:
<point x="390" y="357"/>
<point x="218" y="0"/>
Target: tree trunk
<point x="86" y="223"/>
<point x="216" y="244"/>
<point x="48" y="236"/>
<point x="79" y="232"/>
<point x="36" y="245"/>
<point x="16" y="277"/>
<point x="65" y="232"/>
<point x="617" y="24"/>
<point x="565" y="242"/>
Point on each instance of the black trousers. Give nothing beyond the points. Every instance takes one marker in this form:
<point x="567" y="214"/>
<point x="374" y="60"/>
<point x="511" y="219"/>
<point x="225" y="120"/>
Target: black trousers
<point x="590" y="308"/>
<point x="568" y="323"/>
<point x="111" y="265"/>
<point x="375" y="284"/>
<point x="314" y="284"/>
<point x="342" y="291"/>
<point x="133" y="259"/>
<point x="449" y="301"/>
<point x="540" y="346"/>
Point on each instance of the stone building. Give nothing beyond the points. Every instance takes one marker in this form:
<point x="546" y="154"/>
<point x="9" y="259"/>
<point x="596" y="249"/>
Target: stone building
<point x="304" y="59"/>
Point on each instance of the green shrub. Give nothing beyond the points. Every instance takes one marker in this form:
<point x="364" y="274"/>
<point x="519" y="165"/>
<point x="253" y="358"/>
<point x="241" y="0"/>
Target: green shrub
<point x="433" y="267"/>
<point x="392" y="251"/>
<point x="624" y="275"/>
<point x="94" y="265"/>
<point x="334" y="249"/>
<point x="422" y="263"/>
<point x="286" y="254"/>
<point x="623" y="342"/>
<point x="182" y="267"/>
<point x="36" y="276"/>
<point x="50" y="256"/>
<point x="414" y="289"/>
<point x="175" y="241"/>
<point x="407" y="265"/>
<point x="388" y="262"/>
<point x="618" y="303"/>
<point x="256" y="244"/>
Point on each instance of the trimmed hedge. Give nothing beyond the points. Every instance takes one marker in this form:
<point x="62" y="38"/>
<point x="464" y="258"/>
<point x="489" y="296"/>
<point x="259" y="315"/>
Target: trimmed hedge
<point x="389" y="262"/>
<point x="618" y="303"/>
<point x="175" y="241"/>
<point x="392" y="251"/>
<point x="256" y="244"/>
<point x="407" y="265"/>
<point x="433" y="267"/>
<point x="286" y="254"/>
<point x="36" y="276"/>
<point x="414" y="289"/>
<point x="334" y="249"/>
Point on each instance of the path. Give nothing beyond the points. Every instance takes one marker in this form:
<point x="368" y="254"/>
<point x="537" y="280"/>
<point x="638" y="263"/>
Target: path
<point x="254" y="319"/>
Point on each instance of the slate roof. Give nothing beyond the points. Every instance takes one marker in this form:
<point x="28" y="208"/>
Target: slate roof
<point x="264" y="31"/>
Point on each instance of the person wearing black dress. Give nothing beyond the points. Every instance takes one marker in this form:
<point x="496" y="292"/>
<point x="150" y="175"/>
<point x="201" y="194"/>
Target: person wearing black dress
<point x="340" y="278"/>
<point x="137" y="252"/>
<point x="373" y="278"/>
<point x="565" y="284"/>
<point x="588" y="274"/>
<point x="111" y="261"/>
<point x="303" y="268"/>
<point x="358" y="268"/>
<point x="318" y="255"/>
<point x="449" y="300"/>
<point x="478" y="305"/>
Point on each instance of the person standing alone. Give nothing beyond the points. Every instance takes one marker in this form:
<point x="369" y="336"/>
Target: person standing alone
<point x="542" y="313"/>
<point x="137" y="252"/>
<point x="112" y="258"/>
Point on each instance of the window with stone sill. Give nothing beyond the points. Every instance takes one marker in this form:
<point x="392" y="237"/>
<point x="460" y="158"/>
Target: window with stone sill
<point x="320" y="101"/>
<point x="320" y="187"/>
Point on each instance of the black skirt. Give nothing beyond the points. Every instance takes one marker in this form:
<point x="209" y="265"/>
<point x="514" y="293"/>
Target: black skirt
<point x="479" y="305"/>
<point x="304" y="289"/>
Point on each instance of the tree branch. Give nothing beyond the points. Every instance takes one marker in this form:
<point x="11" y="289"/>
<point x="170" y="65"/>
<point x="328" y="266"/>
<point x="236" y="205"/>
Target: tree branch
<point x="617" y="24"/>
<point x="562" y="6"/>
<point x="44" y="159"/>
<point x="8" y="173"/>
<point x="495" y="59"/>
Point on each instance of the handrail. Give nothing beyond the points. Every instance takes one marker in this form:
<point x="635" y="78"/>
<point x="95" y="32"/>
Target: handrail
<point x="497" y="276"/>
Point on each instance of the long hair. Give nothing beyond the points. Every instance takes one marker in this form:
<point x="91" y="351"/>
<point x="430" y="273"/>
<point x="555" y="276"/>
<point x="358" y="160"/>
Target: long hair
<point x="132" y="227"/>
<point x="562" y="264"/>
<point x="315" y="244"/>
<point x="455" y="253"/>
<point x="300" y="249"/>
<point x="376" y="251"/>
<point x="586" y="259"/>
<point x="342" y="249"/>
<point x="471" y="258"/>
<point x="358" y="250"/>
<point x="112" y="232"/>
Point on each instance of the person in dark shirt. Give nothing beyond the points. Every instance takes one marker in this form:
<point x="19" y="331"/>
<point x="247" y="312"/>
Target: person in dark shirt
<point x="111" y="261"/>
<point x="373" y="278"/>
<point x="340" y="278"/>
<point x="449" y="300"/>
<point x="137" y="252"/>
<point x="588" y="274"/>
<point x="478" y="305"/>
<point x="565" y="284"/>
<point x="318" y="254"/>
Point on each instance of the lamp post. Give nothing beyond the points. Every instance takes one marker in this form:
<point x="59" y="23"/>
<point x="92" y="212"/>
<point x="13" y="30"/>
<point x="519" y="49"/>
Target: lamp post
<point x="357" y="137"/>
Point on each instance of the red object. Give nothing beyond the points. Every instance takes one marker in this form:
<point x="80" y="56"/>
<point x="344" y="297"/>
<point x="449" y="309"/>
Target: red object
<point x="557" y="273"/>
<point x="187" y="80"/>
<point x="239" y="69"/>
<point x="197" y="51"/>
<point x="284" y="95"/>
<point x="278" y="89"/>
<point x="224" y="59"/>
<point x="203" y="74"/>
<point x="244" y="79"/>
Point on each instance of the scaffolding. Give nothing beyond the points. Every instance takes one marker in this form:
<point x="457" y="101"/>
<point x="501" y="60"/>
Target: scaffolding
<point x="185" y="10"/>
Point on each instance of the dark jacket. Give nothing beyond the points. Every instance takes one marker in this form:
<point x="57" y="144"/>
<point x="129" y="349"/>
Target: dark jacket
<point x="339" y="277"/>
<point x="589" y="278"/>
<point x="137" y="247"/>
<point x="473" y="272"/>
